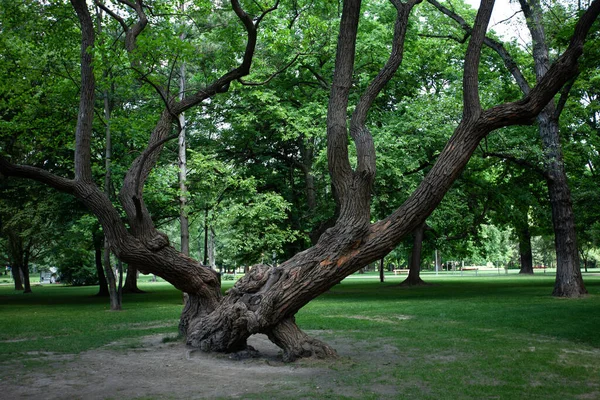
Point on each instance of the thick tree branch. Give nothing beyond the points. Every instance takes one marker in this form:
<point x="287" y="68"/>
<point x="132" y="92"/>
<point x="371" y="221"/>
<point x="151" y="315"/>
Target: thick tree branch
<point x="471" y="101"/>
<point x="41" y="175"/>
<point x="83" y="132"/>
<point x="360" y="134"/>
<point x="337" y="134"/>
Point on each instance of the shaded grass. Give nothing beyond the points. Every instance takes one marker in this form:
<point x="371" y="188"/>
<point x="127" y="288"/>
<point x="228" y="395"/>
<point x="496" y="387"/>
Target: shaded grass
<point x="461" y="338"/>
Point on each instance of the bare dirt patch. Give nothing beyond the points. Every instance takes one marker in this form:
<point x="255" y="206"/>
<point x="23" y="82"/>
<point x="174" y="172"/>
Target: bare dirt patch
<point x="151" y="369"/>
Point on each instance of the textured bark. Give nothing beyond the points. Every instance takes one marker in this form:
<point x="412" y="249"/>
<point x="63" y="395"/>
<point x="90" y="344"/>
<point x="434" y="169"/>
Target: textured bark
<point x="569" y="282"/>
<point x="16" y="275"/>
<point x="19" y="249"/>
<point x="184" y="224"/>
<point x="24" y="268"/>
<point x="297" y="344"/>
<point x="113" y="290"/>
<point x="267" y="298"/>
<point x="558" y="189"/>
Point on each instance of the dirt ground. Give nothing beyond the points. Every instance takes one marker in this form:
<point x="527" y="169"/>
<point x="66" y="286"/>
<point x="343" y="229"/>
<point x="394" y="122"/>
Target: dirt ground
<point x="151" y="369"/>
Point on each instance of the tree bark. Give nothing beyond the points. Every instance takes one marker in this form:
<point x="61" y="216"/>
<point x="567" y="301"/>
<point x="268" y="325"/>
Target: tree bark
<point x="184" y="223"/>
<point x="16" y="275"/>
<point x="113" y="290"/>
<point x="24" y="267"/>
<point x="414" y="273"/>
<point x="266" y="299"/>
<point x="558" y="189"/>
<point x="569" y="282"/>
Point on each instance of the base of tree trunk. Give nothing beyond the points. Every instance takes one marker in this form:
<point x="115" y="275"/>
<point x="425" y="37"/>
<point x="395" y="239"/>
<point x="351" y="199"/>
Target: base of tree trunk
<point x="297" y="344"/>
<point x="525" y="272"/>
<point x="414" y="282"/>
<point x="571" y="289"/>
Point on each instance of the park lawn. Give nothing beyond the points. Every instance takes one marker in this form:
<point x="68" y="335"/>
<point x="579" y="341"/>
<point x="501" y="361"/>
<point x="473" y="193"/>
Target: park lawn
<point x="499" y="337"/>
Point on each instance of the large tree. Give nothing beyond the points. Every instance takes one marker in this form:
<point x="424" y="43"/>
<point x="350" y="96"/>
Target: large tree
<point x="266" y="299"/>
<point x="569" y="282"/>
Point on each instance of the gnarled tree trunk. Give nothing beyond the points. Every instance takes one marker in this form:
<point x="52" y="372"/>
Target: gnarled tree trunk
<point x="267" y="298"/>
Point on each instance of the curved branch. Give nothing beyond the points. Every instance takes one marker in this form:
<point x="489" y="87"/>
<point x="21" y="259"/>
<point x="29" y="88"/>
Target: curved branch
<point x="270" y="78"/>
<point x="41" y="175"/>
<point x="221" y="85"/>
<point x="361" y="136"/>
<point x="112" y="14"/>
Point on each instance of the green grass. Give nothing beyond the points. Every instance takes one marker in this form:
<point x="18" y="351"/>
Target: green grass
<point x="464" y="337"/>
<point x="471" y="337"/>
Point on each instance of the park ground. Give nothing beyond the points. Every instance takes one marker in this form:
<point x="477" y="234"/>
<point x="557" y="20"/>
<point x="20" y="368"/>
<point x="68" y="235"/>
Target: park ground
<point x="463" y="337"/>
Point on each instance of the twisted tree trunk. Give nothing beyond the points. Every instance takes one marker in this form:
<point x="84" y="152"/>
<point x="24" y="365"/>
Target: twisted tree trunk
<point x="267" y="298"/>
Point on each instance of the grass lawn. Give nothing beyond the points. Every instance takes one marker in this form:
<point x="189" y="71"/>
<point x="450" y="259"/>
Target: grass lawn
<point x="484" y="337"/>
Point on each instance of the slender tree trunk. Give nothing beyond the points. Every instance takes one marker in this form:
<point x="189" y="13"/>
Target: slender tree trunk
<point x="25" y="273"/>
<point x="183" y="215"/>
<point x="414" y="273"/>
<point x="526" y="256"/>
<point x="98" y="249"/>
<point x="206" y="251"/>
<point x="381" y="270"/>
<point x="113" y="291"/>
<point x="211" y="249"/>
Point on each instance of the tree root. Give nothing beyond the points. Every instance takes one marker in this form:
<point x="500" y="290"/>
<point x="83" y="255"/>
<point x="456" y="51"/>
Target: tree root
<point x="297" y="344"/>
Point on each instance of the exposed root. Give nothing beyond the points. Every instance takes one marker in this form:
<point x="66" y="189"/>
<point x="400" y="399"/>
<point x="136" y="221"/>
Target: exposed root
<point x="297" y="344"/>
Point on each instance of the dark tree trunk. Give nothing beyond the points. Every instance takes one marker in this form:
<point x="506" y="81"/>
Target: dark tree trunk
<point x="130" y="285"/>
<point x="525" y="253"/>
<point x="16" y="274"/>
<point x="25" y="275"/>
<point x="267" y="298"/>
<point x="381" y="270"/>
<point x="414" y="273"/>
<point x="569" y="282"/>
<point x="98" y="249"/>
